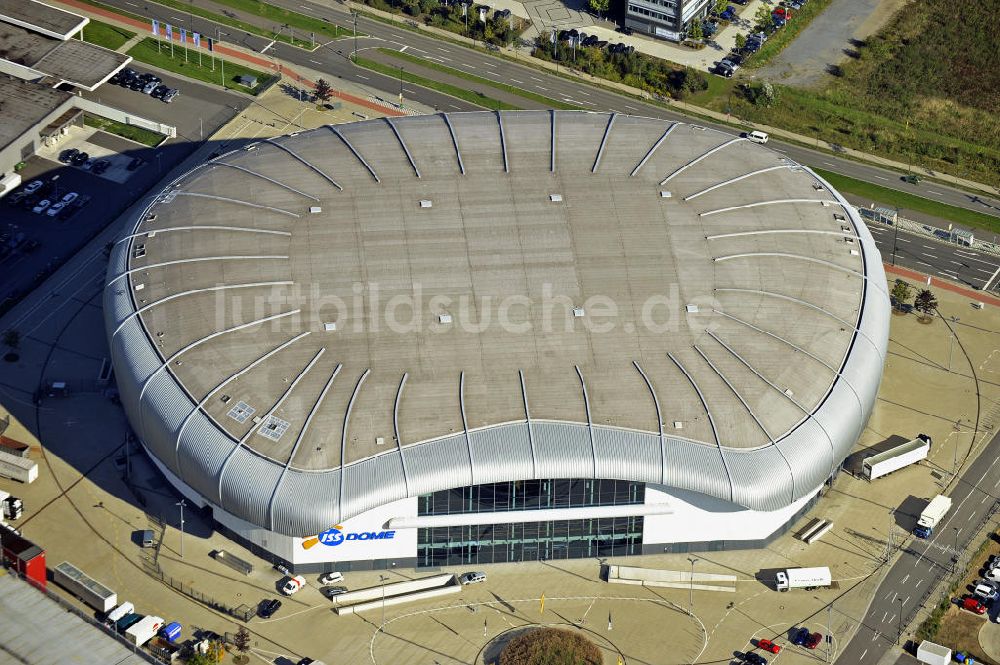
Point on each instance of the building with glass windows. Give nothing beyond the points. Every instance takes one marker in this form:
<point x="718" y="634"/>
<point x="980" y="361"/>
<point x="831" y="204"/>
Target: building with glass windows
<point x="483" y="337"/>
<point x="666" y="19"/>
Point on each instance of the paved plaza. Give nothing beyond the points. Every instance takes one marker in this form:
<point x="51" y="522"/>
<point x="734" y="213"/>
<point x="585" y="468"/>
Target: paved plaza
<point x="84" y="509"/>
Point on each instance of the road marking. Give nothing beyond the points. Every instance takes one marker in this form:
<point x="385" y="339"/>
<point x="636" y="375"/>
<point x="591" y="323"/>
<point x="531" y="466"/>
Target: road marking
<point x="489" y="64"/>
<point x="305" y="7"/>
<point x="903" y="581"/>
<point x="778" y="149"/>
<point x="929" y="255"/>
<point x="179" y="20"/>
<point x="316" y="62"/>
<point x="535" y="79"/>
<point x="442" y="58"/>
<point x="404" y="48"/>
<point x="516" y="81"/>
<point x="958" y="263"/>
<point x="984" y="499"/>
<point x="948" y="273"/>
<point x="538" y="87"/>
<point x="442" y="49"/>
<point x="971" y="516"/>
<point x="961" y="253"/>
<point x="131" y="4"/>
<point x="906" y="600"/>
<point x="880" y="177"/>
<point x="919" y="582"/>
<point x="829" y="164"/>
<point x="885" y="616"/>
<point x="459" y="108"/>
<point x="923" y="263"/>
<point x="863" y="654"/>
<point x="931" y="191"/>
<point x="903" y="240"/>
<point x="581" y="92"/>
<point x="361" y="77"/>
<point x="418" y="50"/>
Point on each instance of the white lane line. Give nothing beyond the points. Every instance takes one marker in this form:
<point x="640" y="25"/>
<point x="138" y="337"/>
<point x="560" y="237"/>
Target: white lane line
<point x="988" y="272"/>
<point x="961" y="253"/>
<point x="972" y="515"/>
<point x="983" y="501"/>
<point x="958" y="263"/>
<point x="361" y="77"/>
<point x="885" y="616"/>
<point x="778" y="149"/>
<point x="903" y="581"/>
<point x="536" y="79"/>
<point x="829" y="164"/>
<point x="516" y="81"/>
<point x="863" y="653"/>
<point x="418" y="50"/>
<point x="538" y="87"/>
<point x="880" y="177"/>
<point x="894" y="594"/>
<point x="948" y="273"/>
<point x="131" y="4"/>
<point x="443" y="59"/>
<point x="489" y="64"/>
<point x="906" y="600"/>
<point x="457" y="108"/>
<point x="931" y="191"/>
<point x="904" y="240"/>
<point x="174" y="18"/>
<point x="317" y="62"/>
<point x="304" y="7"/>
<point x="442" y="49"/>
<point x="929" y="255"/>
<point x="404" y="48"/>
<point x="581" y="92"/>
<point x="919" y="582"/>
<point x="923" y="263"/>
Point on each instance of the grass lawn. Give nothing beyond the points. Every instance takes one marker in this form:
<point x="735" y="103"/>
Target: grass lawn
<point x="137" y="134"/>
<point x="541" y="99"/>
<point x="461" y="93"/>
<point x="904" y="202"/>
<point x="103" y="34"/>
<point x="146" y="51"/>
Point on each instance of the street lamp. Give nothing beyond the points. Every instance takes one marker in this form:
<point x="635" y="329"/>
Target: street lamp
<point x="355" y="14"/>
<point x="895" y="235"/>
<point x="382" y="579"/>
<point x="691" y="582"/>
<point x="400" y="87"/>
<point x="181" y="504"/>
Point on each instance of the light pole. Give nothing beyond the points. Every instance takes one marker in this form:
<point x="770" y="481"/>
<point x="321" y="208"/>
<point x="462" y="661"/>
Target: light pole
<point x="895" y="235"/>
<point x="181" y="504"/>
<point x="691" y="582"/>
<point x="355" y="14"/>
<point x="400" y="87"/>
<point x="382" y="579"/>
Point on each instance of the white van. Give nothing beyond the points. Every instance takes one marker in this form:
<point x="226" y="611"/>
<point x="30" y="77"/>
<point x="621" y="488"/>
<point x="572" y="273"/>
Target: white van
<point x="757" y="137"/>
<point x="472" y="578"/>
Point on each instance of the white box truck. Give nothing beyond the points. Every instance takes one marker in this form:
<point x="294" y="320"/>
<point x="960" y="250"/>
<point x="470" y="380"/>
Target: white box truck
<point x="11" y="507"/>
<point x="119" y="613"/>
<point x="932" y="516"/>
<point x="896" y="458"/>
<point x="18" y="468"/>
<point x="803" y="578"/>
<point x="933" y="654"/>
<point x="143" y="631"/>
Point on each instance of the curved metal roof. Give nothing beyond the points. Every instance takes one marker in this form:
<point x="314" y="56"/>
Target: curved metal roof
<point x="628" y="298"/>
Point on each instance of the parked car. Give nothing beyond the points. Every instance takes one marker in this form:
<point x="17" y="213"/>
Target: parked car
<point x="751" y="658"/>
<point x="41" y="206"/>
<point x="159" y="91"/>
<point x="731" y="62"/>
<point x="87" y="165"/>
<point x="150" y="87"/>
<point x="80" y="158"/>
<point x="33" y="186"/>
<point x="768" y="645"/>
<point x="134" y="164"/>
<point x="55" y="208"/>
<point x="723" y="69"/>
<point x="972" y="605"/>
<point x="814" y="640"/>
<point x="472" y="577"/>
<point x="100" y="166"/>
<point x="800" y="636"/>
<point x="331" y="591"/>
<point x="757" y="136"/>
<point x="986" y="589"/>
<point x="67" y="155"/>
<point x="331" y="578"/>
<point x="728" y="14"/>
<point x="268" y="607"/>
<point x="293" y="584"/>
<point x="69" y="197"/>
<point x="170" y="95"/>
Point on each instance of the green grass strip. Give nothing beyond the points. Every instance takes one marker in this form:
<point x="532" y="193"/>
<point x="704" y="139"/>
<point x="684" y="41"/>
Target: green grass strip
<point x="905" y="201"/>
<point x="106" y="35"/>
<point x="131" y="132"/>
<point x="146" y="51"/>
<point x="461" y="93"/>
<point x="541" y="99"/>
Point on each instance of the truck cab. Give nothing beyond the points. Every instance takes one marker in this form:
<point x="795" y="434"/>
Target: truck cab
<point x="922" y="531"/>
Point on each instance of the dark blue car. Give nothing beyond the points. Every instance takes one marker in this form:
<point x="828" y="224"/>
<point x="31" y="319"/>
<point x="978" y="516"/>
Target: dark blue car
<point x="728" y="14"/>
<point x="800" y="637"/>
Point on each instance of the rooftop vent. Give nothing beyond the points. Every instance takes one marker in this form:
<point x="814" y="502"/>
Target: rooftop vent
<point x="444" y="318"/>
<point x="578" y="312"/>
<point x="330" y="326"/>
<point x="426" y="203"/>
<point x="788" y="391"/>
<point x="555" y="198"/>
<point x="140" y="287"/>
<point x="665" y="194"/>
<point x="692" y="309"/>
<point x="854" y="252"/>
<point x="315" y="210"/>
<point x="678" y="424"/>
<point x="380" y="441"/>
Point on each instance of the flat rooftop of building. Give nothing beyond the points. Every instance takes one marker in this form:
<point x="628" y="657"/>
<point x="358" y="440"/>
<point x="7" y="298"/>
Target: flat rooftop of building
<point x="40" y="17"/>
<point x="40" y="630"/>
<point x="735" y="279"/>
<point x="79" y="63"/>
<point x="25" y="104"/>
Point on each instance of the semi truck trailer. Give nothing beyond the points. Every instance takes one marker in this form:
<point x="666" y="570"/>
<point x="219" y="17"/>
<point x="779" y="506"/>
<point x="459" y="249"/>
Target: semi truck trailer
<point x="896" y="458"/>
<point x="18" y="468"/>
<point x="90" y="591"/>
<point x="803" y="578"/>
<point x="932" y="516"/>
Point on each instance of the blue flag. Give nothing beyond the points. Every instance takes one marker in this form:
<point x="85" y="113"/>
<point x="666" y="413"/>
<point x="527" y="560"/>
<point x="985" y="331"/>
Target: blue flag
<point x="156" y="27"/>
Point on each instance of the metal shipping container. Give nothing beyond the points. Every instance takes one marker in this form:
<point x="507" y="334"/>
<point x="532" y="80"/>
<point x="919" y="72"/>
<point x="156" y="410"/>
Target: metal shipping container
<point x="19" y="468"/>
<point x="90" y="591"/>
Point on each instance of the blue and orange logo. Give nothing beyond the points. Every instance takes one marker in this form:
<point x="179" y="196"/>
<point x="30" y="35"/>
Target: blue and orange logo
<point x="333" y="536"/>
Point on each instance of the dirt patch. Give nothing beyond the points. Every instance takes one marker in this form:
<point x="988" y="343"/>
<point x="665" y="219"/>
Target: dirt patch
<point x="960" y="629"/>
<point x="885" y="10"/>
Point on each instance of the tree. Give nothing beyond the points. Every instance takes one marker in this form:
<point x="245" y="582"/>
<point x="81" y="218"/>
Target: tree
<point x="695" y="32"/>
<point x="901" y="292"/>
<point x="323" y="90"/>
<point x="741" y="41"/>
<point x="212" y="657"/>
<point x="925" y="303"/>
<point x="720" y="6"/>
<point x="242" y="644"/>
<point x="12" y="339"/>
<point x="762" y="18"/>
<point x="599" y="6"/>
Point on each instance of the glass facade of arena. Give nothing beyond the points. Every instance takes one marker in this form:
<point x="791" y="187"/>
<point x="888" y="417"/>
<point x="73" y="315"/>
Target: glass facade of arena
<point x="527" y="541"/>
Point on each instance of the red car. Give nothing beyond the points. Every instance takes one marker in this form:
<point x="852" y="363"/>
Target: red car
<point x="768" y="645"/>
<point x="813" y="641"/>
<point x="782" y="12"/>
<point x="972" y="605"/>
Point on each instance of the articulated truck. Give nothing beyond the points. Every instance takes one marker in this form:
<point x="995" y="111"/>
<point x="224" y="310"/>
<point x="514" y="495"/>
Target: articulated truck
<point x="803" y="578"/>
<point x="896" y="458"/>
<point x="932" y="516"/>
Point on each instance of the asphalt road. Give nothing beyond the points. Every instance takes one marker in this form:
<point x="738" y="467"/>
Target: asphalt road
<point x="333" y="58"/>
<point x="923" y="562"/>
<point x="958" y="264"/>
